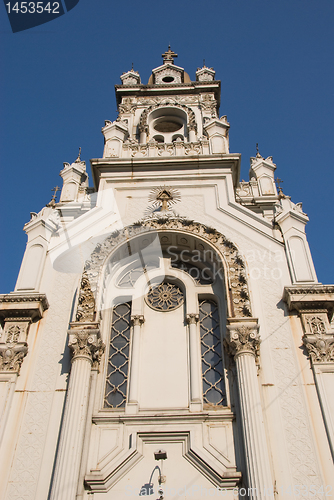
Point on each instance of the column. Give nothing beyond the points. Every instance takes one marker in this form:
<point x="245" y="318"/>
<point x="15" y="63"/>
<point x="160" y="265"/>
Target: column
<point x="319" y="342"/>
<point x="244" y="341"/>
<point x="86" y="348"/>
<point x="136" y="321"/>
<point x="195" y="376"/>
<point x="17" y="313"/>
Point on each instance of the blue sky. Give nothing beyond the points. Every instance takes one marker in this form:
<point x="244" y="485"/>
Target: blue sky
<point x="275" y="61"/>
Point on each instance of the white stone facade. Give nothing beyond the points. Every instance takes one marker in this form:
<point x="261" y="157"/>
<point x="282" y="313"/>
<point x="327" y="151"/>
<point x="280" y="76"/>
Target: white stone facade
<point x="170" y="308"/>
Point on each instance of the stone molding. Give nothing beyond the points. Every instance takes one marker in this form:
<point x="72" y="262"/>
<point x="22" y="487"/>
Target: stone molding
<point x="17" y="312"/>
<point x="84" y="341"/>
<point x="243" y="337"/>
<point x="235" y="267"/>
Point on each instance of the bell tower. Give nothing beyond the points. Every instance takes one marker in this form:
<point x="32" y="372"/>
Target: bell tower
<point x="167" y="335"/>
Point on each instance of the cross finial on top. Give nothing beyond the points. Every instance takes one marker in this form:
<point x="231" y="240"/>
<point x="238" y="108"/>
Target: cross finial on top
<point x="79" y="157"/>
<point x="55" y="189"/>
<point x="278" y="182"/>
<point x="169" y="56"/>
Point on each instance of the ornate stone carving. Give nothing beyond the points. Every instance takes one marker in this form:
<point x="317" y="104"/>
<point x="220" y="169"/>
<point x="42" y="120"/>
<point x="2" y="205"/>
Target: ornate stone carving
<point x="167" y="102"/>
<point x="13" y="334"/>
<point x="86" y="302"/>
<point x="234" y="265"/>
<point x="243" y="339"/>
<point x="129" y="105"/>
<point x="11" y="356"/>
<point x="86" y="343"/>
<point x="320" y="347"/>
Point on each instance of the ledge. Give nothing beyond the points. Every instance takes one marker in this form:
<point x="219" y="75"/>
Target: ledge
<point x="310" y="297"/>
<point x="28" y="305"/>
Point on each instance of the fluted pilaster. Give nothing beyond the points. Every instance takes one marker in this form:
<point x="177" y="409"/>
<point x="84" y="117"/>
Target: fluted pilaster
<point x="87" y="348"/>
<point x="243" y="341"/>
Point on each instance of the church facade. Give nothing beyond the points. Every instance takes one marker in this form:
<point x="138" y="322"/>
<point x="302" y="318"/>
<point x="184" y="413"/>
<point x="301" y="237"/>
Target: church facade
<point x="167" y="336"/>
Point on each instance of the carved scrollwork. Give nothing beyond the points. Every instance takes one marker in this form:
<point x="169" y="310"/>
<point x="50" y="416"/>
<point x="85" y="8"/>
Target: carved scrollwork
<point x="86" y="302"/>
<point x="12" y="355"/>
<point x="319" y="344"/>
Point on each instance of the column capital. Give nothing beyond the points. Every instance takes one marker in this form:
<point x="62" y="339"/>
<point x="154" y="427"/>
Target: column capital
<point x="13" y="343"/>
<point x="243" y="337"/>
<point x="192" y="318"/>
<point x="137" y="319"/>
<point x="86" y="343"/>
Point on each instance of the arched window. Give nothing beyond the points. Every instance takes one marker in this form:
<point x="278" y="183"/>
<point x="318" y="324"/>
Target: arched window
<point x="118" y="361"/>
<point x="211" y="354"/>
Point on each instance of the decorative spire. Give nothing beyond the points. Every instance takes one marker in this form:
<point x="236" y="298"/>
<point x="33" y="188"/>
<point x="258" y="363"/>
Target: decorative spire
<point x="78" y="160"/>
<point x="169" y="56"/>
<point x="52" y="203"/>
<point x="258" y="155"/>
<point x="278" y="183"/>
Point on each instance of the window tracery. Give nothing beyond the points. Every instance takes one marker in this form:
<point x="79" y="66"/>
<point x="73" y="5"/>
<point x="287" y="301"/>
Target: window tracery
<point x="165" y="297"/>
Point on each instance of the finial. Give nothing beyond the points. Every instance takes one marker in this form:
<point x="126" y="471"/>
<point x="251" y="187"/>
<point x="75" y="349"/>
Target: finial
<point x="55" y="189"/>
<point x="169" y="56"/>
<point x="52" y="203"/>
<point x="131" y="66"/>
<point x="258" y="155"/>
<point x="204" y="63"/>
<point x="78" y="160"/>
<point x="278" y="183"/>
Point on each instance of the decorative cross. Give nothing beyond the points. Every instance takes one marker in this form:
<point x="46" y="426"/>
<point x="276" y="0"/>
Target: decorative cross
<point x="169" y="56"/>
<point x="78" y="160"/>
<point x="278" y="182"/>
<point x="55" y="189"/>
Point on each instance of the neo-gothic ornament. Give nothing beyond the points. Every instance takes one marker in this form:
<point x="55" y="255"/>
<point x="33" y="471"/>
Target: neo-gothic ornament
<point x="243" y="340"/>
<point x="165" y="297"/>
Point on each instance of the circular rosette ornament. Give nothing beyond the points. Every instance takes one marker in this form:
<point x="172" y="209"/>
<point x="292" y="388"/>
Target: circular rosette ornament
<point x="165" y="297"/>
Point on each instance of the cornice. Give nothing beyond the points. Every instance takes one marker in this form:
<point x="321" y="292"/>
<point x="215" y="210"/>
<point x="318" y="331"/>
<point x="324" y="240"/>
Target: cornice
<point x="29" y="305"/>
<point x="310" y="297"/>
